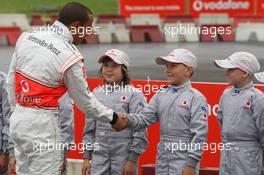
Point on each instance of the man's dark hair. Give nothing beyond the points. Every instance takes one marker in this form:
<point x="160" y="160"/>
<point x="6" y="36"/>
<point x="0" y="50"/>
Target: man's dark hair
<point x="74" y="11"/>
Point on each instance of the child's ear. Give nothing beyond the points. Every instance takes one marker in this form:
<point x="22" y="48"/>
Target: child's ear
<point x="245" y="75"/>
<point x="190" y="70"/>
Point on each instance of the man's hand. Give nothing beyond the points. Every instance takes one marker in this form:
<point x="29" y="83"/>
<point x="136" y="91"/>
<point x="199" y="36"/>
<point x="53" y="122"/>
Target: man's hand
<point x="121" y="122"/>
<point x="86" y="168"/>
<point x="3" y="162"/>
<point x="188" y="170"/>
<point x="129" y="168"/>
<point x="12" y="166"/>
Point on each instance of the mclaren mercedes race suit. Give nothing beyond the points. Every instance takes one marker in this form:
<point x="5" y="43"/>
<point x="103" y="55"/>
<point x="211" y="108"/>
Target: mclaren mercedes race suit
<point x="44" y="66"/>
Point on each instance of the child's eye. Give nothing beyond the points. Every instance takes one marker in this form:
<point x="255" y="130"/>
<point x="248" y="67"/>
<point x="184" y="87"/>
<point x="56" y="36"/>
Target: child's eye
<point x="104" y="65"/>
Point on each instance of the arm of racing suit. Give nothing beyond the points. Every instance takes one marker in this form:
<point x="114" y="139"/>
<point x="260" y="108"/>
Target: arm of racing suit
<point x="83" y="98"/>
<point x="139" y="138"/>
<point x="11" y="77"/>
<point x="146" y="117"/>
<point x="11" y="82"/>
<point x="199" y="129"/>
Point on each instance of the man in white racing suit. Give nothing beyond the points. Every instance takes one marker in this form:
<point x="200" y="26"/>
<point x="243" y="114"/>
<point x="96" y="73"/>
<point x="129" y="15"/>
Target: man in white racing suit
<point x="44" y="66"/>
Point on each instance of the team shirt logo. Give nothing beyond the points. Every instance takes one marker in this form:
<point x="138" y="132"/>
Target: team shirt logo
<point x="185" y="104"/>
<point x="25" y="86"/>
<point x="248" y="104"/>
<point x="123" y="99"/>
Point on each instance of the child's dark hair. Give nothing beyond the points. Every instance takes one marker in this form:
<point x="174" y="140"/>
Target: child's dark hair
<point x="126" y="78"/>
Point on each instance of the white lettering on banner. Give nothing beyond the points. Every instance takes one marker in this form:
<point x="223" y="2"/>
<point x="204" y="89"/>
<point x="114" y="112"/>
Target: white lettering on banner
<point x="213" y="109"/>
<point x="199" y="5"/>
<point x="152" y="8"/>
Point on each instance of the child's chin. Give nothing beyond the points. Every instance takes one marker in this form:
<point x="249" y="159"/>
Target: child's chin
<point x="171" y="82"/>
<point x="230" y="83"/>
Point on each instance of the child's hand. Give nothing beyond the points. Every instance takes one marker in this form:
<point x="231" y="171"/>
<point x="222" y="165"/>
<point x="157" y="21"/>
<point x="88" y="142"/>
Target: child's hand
<point x="86" y="168"/>
<point x="12" y="166"/>
<point x="129" y="168"/>
<point x="187" y="170"/>
<point x="3" y="162"/>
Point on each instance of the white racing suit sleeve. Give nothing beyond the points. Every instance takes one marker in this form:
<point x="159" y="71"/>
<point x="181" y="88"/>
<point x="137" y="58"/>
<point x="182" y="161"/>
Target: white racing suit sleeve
<point x="66" y="116"/>
<point x="11" y="89"/>
<point x="146" y="117"/>
<point x="11" y="82"/>
<point x="79" y="91"/>
<point x="198" y="128"/>
<point x="139" y="138"/>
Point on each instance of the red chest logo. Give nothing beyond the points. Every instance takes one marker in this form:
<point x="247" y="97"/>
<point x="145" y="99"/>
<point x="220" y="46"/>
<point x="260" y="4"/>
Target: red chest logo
<point x="25" y="86"/>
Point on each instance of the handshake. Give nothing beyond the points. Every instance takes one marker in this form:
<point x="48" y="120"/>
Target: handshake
<point x="121" y="122"/>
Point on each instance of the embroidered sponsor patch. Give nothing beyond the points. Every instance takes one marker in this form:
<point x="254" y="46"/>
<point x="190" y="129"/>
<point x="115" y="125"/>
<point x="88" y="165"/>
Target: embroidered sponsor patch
<point x="204" y="109"/>
<point x="248" y="104"/>
<point x="185" y="104"/>
<point x="141" y="104"/>
<point x="204" y="117"/>
<point x="123" y="99"/>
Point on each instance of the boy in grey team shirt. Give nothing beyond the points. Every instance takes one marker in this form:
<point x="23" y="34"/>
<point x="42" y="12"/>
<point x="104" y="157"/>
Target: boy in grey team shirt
<point x="260" y="77"/>
<point x="241" y="116"/>
<point x="183" y="115"/>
